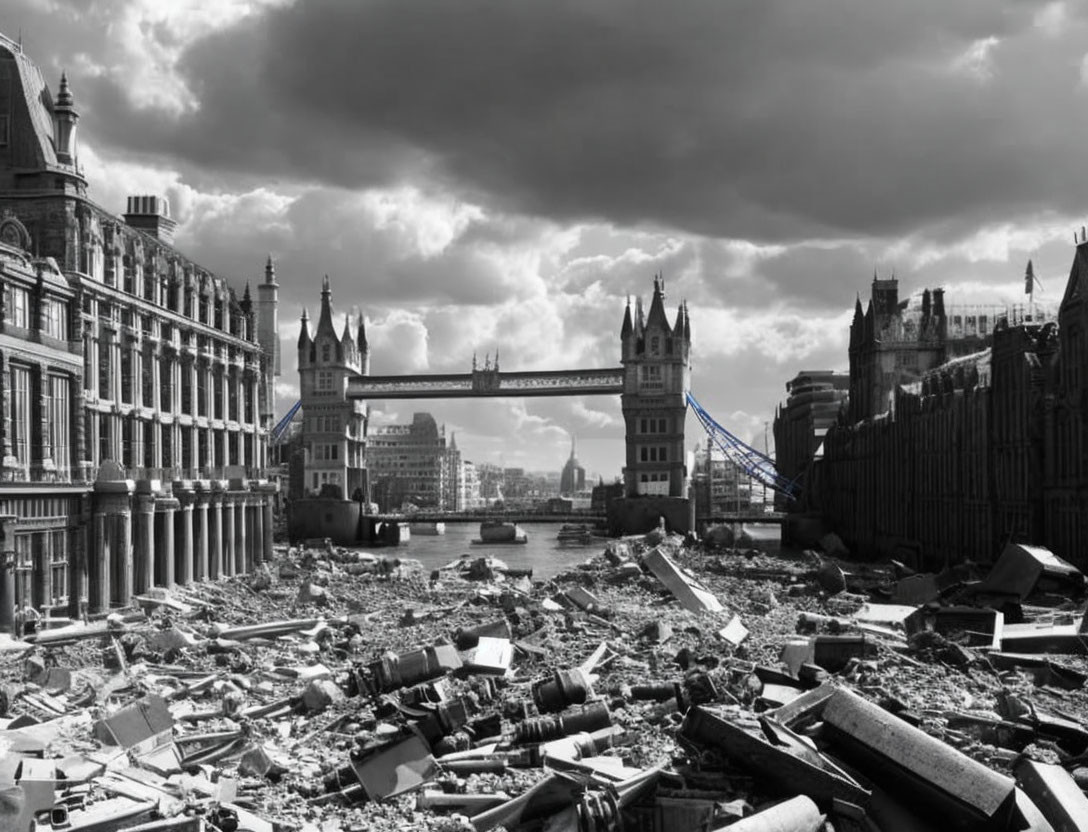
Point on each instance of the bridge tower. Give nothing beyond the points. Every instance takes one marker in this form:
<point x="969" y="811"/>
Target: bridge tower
<point x="334" y="427"/>
<point x="656" y="365"/>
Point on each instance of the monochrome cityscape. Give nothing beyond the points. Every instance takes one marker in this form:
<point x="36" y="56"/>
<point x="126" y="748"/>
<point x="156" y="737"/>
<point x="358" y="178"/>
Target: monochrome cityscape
<point x="285" y="545"/>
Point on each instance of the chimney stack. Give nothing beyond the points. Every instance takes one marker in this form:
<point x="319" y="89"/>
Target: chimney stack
<point x="151" y="214"/>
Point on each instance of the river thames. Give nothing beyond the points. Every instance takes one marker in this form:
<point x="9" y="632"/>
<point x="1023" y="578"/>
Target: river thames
<point x="542" y="553"/>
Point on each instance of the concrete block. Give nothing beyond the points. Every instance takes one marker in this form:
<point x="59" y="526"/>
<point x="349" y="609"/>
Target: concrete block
<point x="691" y="595"/>
<point x="953" y="789"/>
<point x="1055" y="793"/>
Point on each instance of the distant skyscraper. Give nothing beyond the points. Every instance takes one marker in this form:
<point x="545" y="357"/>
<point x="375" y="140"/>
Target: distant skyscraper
<point x="573" y="478"/>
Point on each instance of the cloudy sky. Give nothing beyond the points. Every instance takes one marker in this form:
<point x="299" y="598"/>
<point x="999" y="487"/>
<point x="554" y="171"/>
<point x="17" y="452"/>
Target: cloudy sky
<point x="489" y="175"/>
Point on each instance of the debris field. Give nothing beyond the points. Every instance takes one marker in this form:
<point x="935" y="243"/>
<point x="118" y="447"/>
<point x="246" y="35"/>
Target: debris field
<point x="664" y="685"/>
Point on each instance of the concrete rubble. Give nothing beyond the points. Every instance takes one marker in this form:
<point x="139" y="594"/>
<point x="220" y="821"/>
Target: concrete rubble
<point x="663" y="685"/>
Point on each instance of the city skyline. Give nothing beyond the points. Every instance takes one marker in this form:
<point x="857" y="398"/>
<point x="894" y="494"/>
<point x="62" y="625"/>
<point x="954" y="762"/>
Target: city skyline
<point x="506" y="176"/>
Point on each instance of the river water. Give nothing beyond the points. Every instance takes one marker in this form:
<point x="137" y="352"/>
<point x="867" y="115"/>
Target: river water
<point x="542" y="553"/>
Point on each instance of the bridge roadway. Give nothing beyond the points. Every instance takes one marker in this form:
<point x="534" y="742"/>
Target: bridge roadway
<point x="580" y="517"/>
<point x="489" y="383"/>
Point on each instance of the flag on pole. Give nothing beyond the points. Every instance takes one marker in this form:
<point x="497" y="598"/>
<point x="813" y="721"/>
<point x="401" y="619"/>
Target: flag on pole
<point x="1029" y="279"/>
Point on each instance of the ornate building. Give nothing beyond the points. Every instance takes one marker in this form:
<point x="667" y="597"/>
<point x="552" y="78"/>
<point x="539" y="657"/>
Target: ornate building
<point x="133" y="382"/>
<point x="655" y="358"/>
<point x="982" y="449"/>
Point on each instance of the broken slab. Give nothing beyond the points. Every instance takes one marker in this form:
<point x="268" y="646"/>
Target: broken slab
<point x="956" y="790"/>
<point x="734" y="632"/>
<point x="1044" y="671"/>
<point x="1044" y="637"/>
<point x="141" y="726"/>
<point x="780" y="768"/>
<point x="983" y="627"/>
<point x="1054" y="793"/>
<point x="396" y="769"/>
<point x="1021" y="570"/>
<point x="491" y="656"/>
<point x="690" y="593"/>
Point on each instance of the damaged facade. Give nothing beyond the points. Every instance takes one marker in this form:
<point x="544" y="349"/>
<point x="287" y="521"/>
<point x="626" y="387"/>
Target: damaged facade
<point x="137" y="387"/>
<point x="953" y="459"/>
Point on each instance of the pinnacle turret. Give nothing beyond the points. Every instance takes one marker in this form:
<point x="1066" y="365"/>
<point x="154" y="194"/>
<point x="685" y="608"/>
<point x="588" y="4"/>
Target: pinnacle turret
<point x="64" y="94"/>
<point x="304" y="331"/>
<point x="625" y="329"/>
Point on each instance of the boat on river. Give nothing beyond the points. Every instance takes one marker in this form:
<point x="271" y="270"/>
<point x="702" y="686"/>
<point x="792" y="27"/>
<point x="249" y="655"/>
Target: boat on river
<point x="429" y="528"/>
<point x="575" y="534"/>
<point x="501" y="531"/>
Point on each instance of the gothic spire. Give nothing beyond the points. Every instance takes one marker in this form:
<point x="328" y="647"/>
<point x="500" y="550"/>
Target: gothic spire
<point x="304" y="330"/>
<point x="360" y="336"/>
<point x="626" y="328"/>
<point x="324" y="322"/>
<point x="656" y="315"/>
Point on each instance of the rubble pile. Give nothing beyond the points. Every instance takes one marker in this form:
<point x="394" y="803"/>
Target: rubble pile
<point x="663" y="685"/>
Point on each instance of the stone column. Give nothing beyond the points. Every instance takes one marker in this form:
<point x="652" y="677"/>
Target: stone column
<point x="215" y="536"/>
<point x="164" y="546"/>
<point x="230" y="541"/>
<point x="156" y="379"/>
<point x="200" y="529"/>
<point x="144" y="554"/>
<point x="7" y="592"/>
<point x="43" y="419"/>
<point x="99" y="592"/>
<point x="257" y="515"/>
<point x="122" y="553"/>
<point x="183" y="572"/>
<point x="241" y="562"/>
<point x="268" y="517"/>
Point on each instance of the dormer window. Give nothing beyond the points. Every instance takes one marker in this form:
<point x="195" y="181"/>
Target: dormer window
<point x="655" y="345"/>
<point x="326" y="353"/>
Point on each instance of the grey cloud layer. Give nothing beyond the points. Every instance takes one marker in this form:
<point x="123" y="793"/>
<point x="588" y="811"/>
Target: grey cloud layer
<point x="754" y="119"/>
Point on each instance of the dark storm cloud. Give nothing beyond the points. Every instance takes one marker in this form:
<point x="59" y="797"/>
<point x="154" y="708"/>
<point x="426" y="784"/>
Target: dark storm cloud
<point x="755" y="119"/>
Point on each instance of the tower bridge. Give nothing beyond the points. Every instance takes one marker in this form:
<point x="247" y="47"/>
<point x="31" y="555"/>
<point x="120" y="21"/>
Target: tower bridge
<point x="652" y="382"/>
<point x="489" y="382"/>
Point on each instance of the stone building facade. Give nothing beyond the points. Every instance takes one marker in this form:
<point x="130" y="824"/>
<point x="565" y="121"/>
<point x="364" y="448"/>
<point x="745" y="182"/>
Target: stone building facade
<point x="413" y="463"/>
<point x="980" y="450"/>
<point x="133" y="383"/>
<point x="800" y="424"/>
